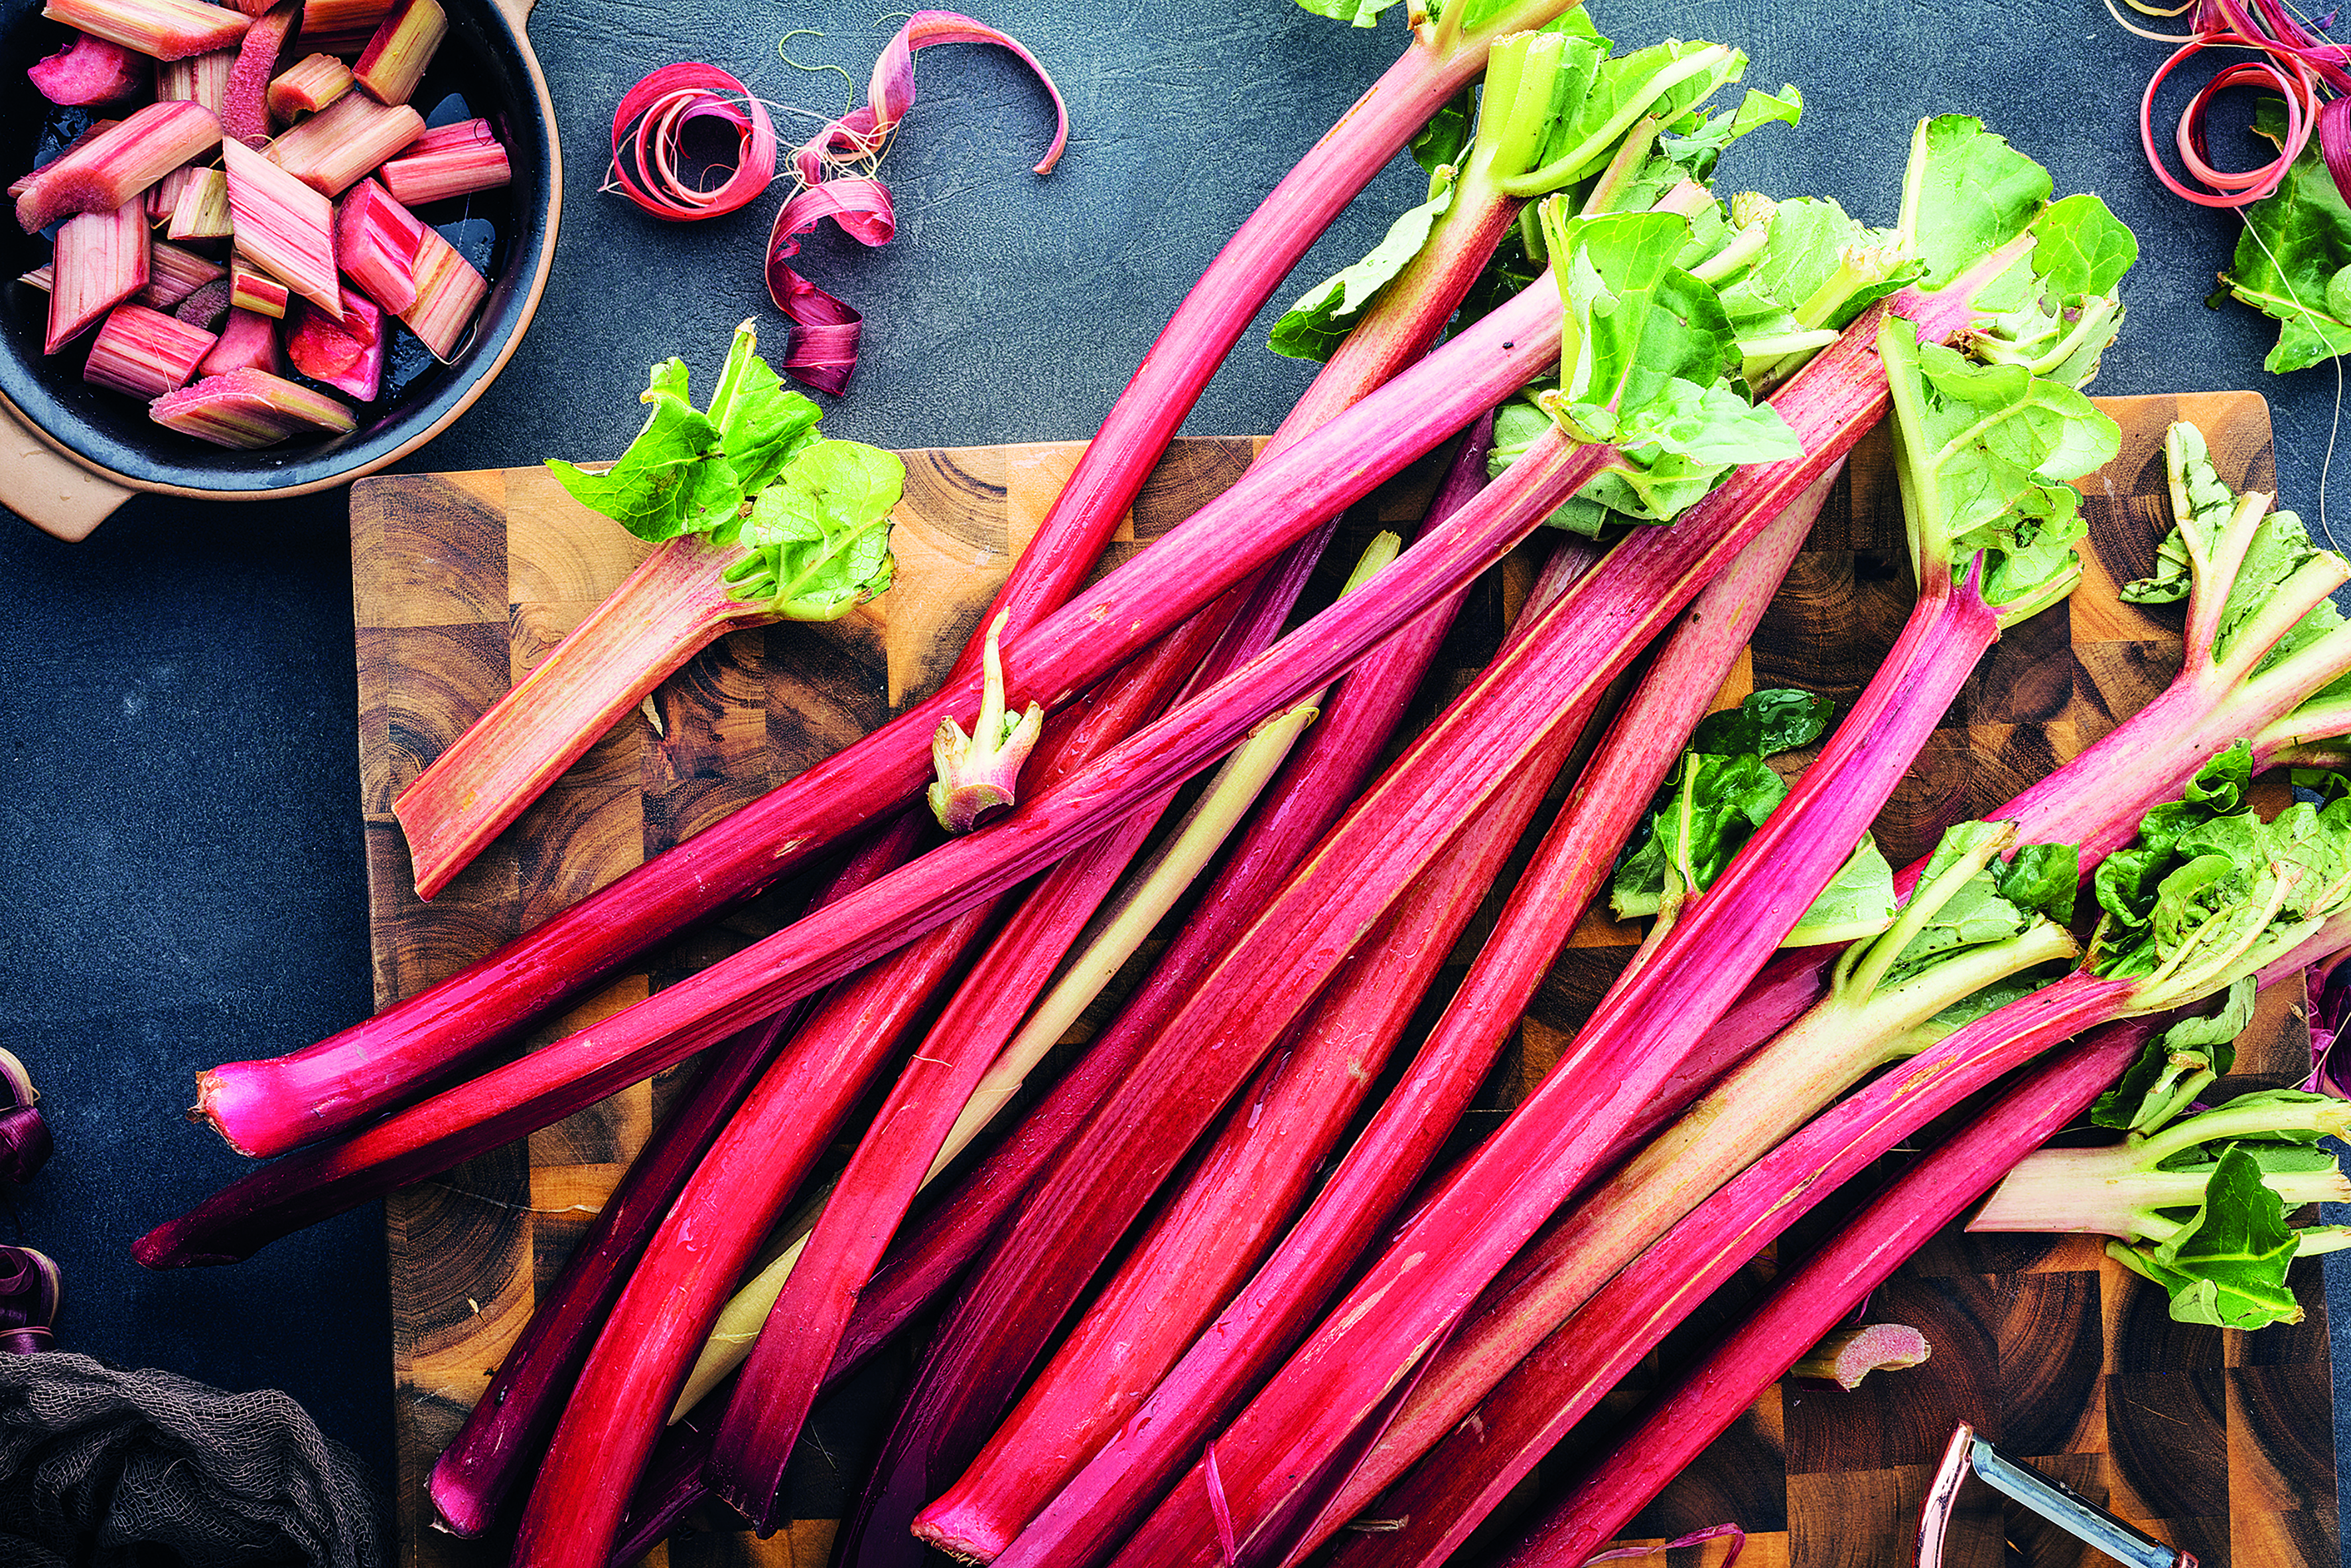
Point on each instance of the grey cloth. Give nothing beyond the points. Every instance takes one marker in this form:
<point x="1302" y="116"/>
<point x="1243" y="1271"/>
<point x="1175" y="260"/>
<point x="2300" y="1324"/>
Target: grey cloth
<point x="101" y="1468"/>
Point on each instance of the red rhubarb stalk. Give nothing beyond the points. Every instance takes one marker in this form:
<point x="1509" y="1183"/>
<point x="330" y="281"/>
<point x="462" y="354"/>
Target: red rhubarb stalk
<point x="1116" y="1485"/>
<point x="1243" y="1193"/>
<point x="448" y="160"/>
<point x="394" y="60"/>
<point x="163" y="29"/>
<point x="90" y="71"/>
<point x="1829" y="1284"/>
<point x="144" y="352"/>
<point x="307" y="87"/>
<point x="283" y="226"/>
<point x="1482" y="1214"/>
<point x="174" y="274"/>
<point x="333" y="149"/>
<point x="510" y="1423"/>
<point x="375" y="1062"/>
<point x="247" y="341"/>
<point x="249" y="408"/>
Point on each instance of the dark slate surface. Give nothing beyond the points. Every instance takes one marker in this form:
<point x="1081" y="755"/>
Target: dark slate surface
<point x="180" y="872"/>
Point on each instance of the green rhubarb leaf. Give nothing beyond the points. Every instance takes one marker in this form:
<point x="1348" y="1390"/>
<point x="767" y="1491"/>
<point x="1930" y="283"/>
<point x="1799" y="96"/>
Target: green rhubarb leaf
<point x="2289" y="262"/>
<point x="2201" y="507"/>
<point x="1719" y="794"/>
<point x="761" y="424"/>
<point x="1858" y="902"/>
<point x="1981" y="455"/>
<point x="819" y="536"/>
<point x="2189" y="1054"/>
<point x="2227" y="1266"/>
<point x="1635" y="323"/>
<point x="2056" y="311"/>
<point x="1965" y="193"/>
<point x="1661" y="82"/>
<point x="2080" y="248"/>
<point x="1354" y="13"/>
<point x="1314" y="327"/>
<point x="1999" y="901"/>
<point x="2042" y="879"/>
<point x="673" y="479"/>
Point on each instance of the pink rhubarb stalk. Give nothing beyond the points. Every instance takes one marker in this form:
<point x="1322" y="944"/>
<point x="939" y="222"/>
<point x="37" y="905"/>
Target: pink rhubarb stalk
<point x="448" y="160"/>
<point x="118" y="165"/>
<point x="247" y="341"/>
<point x="307" y="87"/>
<point x="101" y="261"/>
<point x="144" y="352"/>
<point x="1089" y="1514"/>
<point x="394" y="60"/>
<point x="251" y="292"/>
<point x="335" y="148"/>
<point x="91" y="71"/>
<point x="249" y="408"/>
<point x="339" y="26"/>
<point x="1826" y="1286"/>
<point x="283" y="226"/>
<point x="246" y="98"/>
<point x="174" y="273"/>
<point x="274" y="1106"/>
<point x="202" y="211"/>
<point x="348" y="354"/>
<point x="161" y="29"/>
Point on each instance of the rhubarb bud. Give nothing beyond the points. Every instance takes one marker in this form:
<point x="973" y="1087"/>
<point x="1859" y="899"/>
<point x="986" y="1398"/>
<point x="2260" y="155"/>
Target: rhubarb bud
<point x="24" y="1134"/>
<point x="395" y="58"/>
<point x="307" y="87"/>
<point x="90" y="70"/>
<point x="165" y="29"/>
<point x="981" y="771"/>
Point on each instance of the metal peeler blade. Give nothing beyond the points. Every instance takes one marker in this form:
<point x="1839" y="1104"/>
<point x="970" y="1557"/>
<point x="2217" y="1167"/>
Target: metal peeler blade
<point x="2058" y="1503"/>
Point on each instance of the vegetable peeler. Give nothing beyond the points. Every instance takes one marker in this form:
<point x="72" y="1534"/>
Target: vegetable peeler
<point x="2058" y="1503"/>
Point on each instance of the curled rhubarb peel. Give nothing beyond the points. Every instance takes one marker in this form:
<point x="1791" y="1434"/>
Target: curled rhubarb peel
<point x="30" y="1292"/>
<point x="24" y="1134"/>
<point x="650" y="123"/>
<point x="980" y="772"/>
<point x="826" y="329"/>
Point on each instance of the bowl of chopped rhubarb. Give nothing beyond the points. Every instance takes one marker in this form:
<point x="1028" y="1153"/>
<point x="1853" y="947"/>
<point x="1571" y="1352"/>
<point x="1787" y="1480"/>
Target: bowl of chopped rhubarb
<point x="258" y="250"/>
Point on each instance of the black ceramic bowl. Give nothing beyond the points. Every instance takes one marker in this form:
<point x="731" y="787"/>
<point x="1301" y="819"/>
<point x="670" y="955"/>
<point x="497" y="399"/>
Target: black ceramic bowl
<point x="83" y="450"/>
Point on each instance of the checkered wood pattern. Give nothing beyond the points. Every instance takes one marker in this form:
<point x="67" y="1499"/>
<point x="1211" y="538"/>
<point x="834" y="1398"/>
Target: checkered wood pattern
<point x="462" y="581"/>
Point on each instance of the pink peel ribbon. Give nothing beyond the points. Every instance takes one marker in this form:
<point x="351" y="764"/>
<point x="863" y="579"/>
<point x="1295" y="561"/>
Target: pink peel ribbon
<point x="650" y="124"/>
<point x="825" y="329"/>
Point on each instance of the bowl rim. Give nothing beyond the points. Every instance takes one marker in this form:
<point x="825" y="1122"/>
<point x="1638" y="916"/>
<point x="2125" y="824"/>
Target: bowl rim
<point x="514" y="16"/>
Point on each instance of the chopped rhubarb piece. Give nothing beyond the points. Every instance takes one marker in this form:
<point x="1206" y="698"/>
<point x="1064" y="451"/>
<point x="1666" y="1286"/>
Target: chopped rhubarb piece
<point x="202" y="209"/>
<point x="90" y="133"/>
<point x="395" y="58"/>
<point x="249" y="408"/>
<point x="346" y="354"/>
<point x="101" y="261"/>
<point x="448" y="160"/>
<point x="335" y="148"/>
<point x="165" y="29"/>
<point x="144" y="352"/>
<point x="102" y="173"/>
<point x="200" y="78"/>
<point x="42" y="278"/>
<point x="282" y="226"/>
<point x="90" y="71"/>
<point x="252" y="7"/>
<point x="251" y="292"/>
<point x="307" y="87"/>
<point x="173" y="273"/>
<point x="205" y="307"/>
<point x="448" y="293"/>
<point x="244" y="111"/>
<point x="247" y="341"/>
<point x="377" y="239"/>
<point x="340" y="27"/>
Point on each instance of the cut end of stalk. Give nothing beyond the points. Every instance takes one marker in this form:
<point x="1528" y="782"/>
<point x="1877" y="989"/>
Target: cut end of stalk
<point x="395" y="58"/>
<point x="308" y="86"/>
<point x="1852" y="1354"/>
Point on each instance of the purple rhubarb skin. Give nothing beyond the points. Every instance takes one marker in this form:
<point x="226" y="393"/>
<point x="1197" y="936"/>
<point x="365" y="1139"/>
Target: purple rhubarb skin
<point x="1090" y="1515"/>
<point x="315" y="1092"/>
<point x="1822" y="1289"/>
<point x="353" y="1074"/>
<point x="510" y="1423"/>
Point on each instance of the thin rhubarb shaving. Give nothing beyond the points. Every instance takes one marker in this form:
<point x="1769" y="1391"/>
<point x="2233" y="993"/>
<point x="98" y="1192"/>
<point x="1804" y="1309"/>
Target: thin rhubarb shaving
<point x="650" y="124"/>
<point x="2301" y="68"/>
<point x="835" y="170"/>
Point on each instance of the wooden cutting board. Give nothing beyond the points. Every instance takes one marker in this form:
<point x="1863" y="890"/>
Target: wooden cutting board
<point x="2219" y="1442"/>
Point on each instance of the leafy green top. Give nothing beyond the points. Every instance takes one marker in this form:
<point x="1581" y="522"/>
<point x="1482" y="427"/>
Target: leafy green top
<point x="815" y="531"/>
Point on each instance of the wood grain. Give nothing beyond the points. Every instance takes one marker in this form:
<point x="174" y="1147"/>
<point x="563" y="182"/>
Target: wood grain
<point x="2221" y="1442"/>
